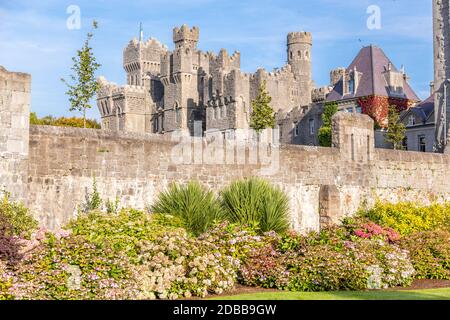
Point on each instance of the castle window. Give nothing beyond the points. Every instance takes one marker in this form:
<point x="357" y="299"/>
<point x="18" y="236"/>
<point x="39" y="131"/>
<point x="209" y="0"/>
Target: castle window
<point x="296" y="129"/>
<point x="351" y="85"/>
<point x="312" y="128"/>
<point x="422" y="143"/>
<point x="177" y="113"/>
<point x="216" y="113"/>
<point x="155" y="125"/>
<point x="405" y="144"/>
<point x="299" y="53"/>
<point x="291" y="55"/>
<point x="224" y="111"/>
<point x="411" y="121"/>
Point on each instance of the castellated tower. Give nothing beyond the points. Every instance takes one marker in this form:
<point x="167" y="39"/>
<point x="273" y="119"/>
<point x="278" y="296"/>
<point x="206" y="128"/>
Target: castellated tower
<point x="299" y="45"/>
<point x="185" y="37"/>
<point x="142" y="59"/>
<point x="441" y="32"/>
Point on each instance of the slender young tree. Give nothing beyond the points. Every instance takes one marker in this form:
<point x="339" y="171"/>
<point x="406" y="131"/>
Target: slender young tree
<point x="325" y="138"/>
<point x="83" y="85"/>
<point x="263" y="115"/>
<point x="396" y="129"/>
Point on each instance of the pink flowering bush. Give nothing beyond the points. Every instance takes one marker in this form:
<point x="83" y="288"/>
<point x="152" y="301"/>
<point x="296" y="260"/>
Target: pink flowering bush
<point x="265" y="267"/>
<point x="69" y="267"/>
<point x="371" y="230"/>
<point x="328" y="261"/>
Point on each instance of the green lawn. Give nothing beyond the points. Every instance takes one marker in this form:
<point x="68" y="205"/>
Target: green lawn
<point x="432" y="294"/>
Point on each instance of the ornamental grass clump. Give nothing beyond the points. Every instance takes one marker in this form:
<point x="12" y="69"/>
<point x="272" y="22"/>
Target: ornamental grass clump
<point x="255" y="203"/>
<point x="195" y="206"/>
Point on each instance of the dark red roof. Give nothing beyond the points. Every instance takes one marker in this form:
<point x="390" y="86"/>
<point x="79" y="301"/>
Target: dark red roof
<point x="372" y="62"/>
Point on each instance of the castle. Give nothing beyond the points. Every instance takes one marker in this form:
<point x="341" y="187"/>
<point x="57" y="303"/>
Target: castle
<point x="195" y="93"/>
<point x="170" y="91"/>
<point x="50" y="169"/>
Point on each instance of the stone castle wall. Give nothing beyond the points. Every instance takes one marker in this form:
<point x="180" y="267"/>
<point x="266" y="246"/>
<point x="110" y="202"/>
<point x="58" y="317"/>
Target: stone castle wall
<point x="14" y="131"/>
<point x="323" y="184"/>
<point x="51" y="169"/>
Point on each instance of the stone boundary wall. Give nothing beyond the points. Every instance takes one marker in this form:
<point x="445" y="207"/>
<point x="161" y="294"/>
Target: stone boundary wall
<point x="51" y="169"/>
<point x="15" y="91"/>
<point x="323" y="184"/>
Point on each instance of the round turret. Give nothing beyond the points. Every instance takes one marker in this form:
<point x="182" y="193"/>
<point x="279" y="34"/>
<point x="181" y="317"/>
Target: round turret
<point x="300" y="37"/>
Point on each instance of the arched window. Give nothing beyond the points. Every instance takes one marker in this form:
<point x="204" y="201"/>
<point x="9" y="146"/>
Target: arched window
<point x="217" y="113"/>
<point x="177" y="113"/>
<point x="299" y="53"/>
<point x="291" y="55"/>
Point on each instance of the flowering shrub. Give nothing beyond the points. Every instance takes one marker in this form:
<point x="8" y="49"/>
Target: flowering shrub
<point x="387" y="265"/>
<point x="5" y="282"/>
<point x="366" y="229"/>
<point x="69" y="267"/>
<point x="15" y="218"/>
<point x="123" y="231"/>
<point x="176" y="266"/>
<point x="429" y="253"/>
<point x="236" y="241"/>
<point x="10" y="246"/>
<point x="328" y="261"/>
<point x="408" y="217"/>
<point x="265" y="268"/>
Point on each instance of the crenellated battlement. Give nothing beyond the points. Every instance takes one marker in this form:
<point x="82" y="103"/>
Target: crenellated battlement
<point x="299" y="37"/>
<point x="186" y="36"/>
<point x="320" y="94"/>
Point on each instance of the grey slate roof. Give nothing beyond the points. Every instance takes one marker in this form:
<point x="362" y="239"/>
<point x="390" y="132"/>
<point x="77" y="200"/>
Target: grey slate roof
<point x="372" y="62"/>
<point x="424" y="110"/>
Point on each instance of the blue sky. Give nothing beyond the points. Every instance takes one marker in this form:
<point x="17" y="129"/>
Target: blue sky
<point x="34" y="37"/>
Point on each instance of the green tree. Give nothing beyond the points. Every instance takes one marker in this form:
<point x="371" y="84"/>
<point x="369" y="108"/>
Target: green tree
<point x="396" y="129"/>
<point x="84" y="83"/>
<point x="325" y="138"/>
<point x="263" y="116"/>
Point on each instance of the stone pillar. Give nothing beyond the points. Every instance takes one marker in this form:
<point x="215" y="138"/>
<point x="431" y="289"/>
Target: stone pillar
<point x="329" y="206"/>
<point x="353" y="134"/>
<point x="15" y="89"/>
<point x="441" y="43"/>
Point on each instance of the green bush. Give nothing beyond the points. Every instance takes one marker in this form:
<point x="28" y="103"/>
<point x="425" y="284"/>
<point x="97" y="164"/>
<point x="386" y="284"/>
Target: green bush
<point x="123" y="231"/>
<point x="72" y="268"/>
<point x="257" y="204"/>
<point x="5" y="283"/>
<point x="408" y="217"/>
<point x="430" y="253"/>
<point x="63" y="122"/>
<point x="192" y="204"/>
<point x="327" y="261"/>
<point x="15" y="218"/>
<point x="325" y="137"/>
